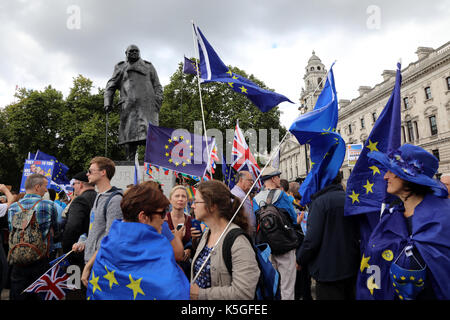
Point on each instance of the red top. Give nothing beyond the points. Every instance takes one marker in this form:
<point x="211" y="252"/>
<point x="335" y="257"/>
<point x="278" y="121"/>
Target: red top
<point x="187" y="225"/>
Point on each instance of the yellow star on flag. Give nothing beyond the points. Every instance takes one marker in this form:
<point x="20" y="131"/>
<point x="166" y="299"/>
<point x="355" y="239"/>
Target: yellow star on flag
<point x="234" y="77"/>
<point x="364" y="263"/>
<point x="243" y="89"/>
<point x="230" y="73"/>
<point x="184" y="164"/>
<point x="135" y="285"/>
<point x="170" y="140"/>
<point x="354" y="196"/>
<point x="368" y="186"/>
<point x="110" y="277"/>
<point x="375" y="170"/>
<point x="372" y="146"/>
<point x="167" y="154"/>
<point x="166" y="146"/>
<point x="170" y="160"/>
<point x="94" y="282"/>
<point x="230" y="84"/>
<point x="371" y="284"/>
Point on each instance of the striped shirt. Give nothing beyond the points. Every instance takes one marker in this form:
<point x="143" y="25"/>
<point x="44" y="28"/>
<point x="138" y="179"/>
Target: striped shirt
<point x="46" y="213"/>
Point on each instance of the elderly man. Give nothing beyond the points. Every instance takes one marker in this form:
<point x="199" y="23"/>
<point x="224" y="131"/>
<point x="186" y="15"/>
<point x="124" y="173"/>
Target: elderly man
<point x="240" y="190"/>
<point x="140" y="99"/>
<point x="445" y="179"/>
<point x="285" y="263"/>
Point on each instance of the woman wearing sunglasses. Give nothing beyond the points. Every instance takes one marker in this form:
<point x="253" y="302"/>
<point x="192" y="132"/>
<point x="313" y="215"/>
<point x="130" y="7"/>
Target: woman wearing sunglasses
<point x="135" y="261"/>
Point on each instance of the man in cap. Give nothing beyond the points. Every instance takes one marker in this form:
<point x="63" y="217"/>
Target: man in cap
<point x="285" y="263"/>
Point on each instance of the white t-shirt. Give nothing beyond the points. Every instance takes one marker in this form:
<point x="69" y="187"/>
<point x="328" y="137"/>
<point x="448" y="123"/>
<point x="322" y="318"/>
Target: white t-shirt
<point x="3" y="209"/>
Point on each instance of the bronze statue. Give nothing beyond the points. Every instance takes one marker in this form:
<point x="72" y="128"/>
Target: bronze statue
<point x="140" y="99"/>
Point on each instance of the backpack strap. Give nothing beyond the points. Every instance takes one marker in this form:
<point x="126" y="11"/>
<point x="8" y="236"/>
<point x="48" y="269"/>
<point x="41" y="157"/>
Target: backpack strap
<point x="115" y="192"/>
<point x="27" y="221"/>
<point x="228" y="243"/>
<point x="270" y="196"/>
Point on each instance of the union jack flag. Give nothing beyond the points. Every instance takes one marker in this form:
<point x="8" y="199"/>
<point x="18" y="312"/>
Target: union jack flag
<point x="242" y="157"/>
<point x="52" y="283"/>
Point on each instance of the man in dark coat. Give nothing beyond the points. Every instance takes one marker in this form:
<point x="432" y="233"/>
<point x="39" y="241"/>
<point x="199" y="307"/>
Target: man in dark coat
<point x="140" y="99"/>
<point x="330" y="248"/>
<point x="78" y="216"/>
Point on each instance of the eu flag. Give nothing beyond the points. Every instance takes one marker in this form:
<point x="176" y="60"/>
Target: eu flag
<point x="189" y="67"/>
<point x="59" y="168"/>
<point x="327" y="148"/>
<point x="135" y="262"/>
<point x="212" y="69"/>
<point x="177" y="150"/>
<point x="366" y="188"/>
<point x="229" y="175"/>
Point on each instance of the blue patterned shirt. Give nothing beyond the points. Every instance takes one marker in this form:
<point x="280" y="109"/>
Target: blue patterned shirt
<point x="46" y="213"/>
<point x="204" y="278"/>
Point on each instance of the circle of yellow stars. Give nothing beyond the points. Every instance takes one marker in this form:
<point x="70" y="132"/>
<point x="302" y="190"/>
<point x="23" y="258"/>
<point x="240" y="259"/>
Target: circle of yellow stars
<point x="184" y="160"/>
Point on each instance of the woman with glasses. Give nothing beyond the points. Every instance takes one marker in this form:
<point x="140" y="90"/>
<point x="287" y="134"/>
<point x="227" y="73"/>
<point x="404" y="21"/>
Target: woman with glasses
<point x="215" y="205"/>
<point x="135" y="261"/>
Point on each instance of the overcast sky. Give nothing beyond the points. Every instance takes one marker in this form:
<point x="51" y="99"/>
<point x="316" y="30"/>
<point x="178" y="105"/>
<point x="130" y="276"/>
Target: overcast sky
<point x="49" y="42"/>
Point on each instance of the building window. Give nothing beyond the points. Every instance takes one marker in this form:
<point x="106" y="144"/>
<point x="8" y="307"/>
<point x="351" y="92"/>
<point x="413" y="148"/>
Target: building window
<point x="403" y="134"/>
<point x="406" y="102"/>
<point x="374" y="117"/>
<point x="362" y="123"/>
<point x="312" y="69"/>
<point x="433" y="125"/>
<point x="427" y="93"/>
<point x="416" y="127"/>
<point x="435" y="153"/>
<point x="448" y="83"/>
<point x="319" y="82"/>
<point x="350" y="129"/>
<point x="409" y="127"/>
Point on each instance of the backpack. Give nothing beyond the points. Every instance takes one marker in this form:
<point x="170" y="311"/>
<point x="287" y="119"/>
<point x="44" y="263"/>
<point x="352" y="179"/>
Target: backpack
<point x="274" y="227"/>
<point x="268" y="287"/>
<point x="25" y="240"/>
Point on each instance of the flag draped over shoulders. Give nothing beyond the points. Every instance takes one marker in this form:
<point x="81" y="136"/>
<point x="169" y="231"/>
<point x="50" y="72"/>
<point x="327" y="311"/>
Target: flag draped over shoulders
<point x="429" y="235"/>
<point x="327" y="148"/>
<point x="135" y="262"/>
<point x="213" y="69"/>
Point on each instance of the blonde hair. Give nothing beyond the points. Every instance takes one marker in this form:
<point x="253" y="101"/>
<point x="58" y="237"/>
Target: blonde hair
<point x="178" y="187"/>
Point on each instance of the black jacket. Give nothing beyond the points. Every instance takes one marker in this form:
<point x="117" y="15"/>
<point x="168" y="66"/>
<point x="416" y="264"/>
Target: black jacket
<point x="331" y="244"/>
<point x="78" y="222"/>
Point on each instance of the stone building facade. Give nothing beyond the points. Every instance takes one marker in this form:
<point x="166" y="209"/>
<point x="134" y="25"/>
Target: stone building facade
<point x="425" y="110"/>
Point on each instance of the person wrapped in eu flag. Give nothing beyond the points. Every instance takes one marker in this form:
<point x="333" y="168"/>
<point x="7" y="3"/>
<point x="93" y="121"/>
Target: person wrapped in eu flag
<point x="408" y="253"/>
<point x="135" y="261"/>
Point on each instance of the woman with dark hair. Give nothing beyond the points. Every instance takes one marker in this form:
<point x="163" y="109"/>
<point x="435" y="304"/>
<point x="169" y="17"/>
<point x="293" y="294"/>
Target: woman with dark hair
<point x="215" y="205"/>
<point x="411" y="243"/>
<point x="134" y="260"/>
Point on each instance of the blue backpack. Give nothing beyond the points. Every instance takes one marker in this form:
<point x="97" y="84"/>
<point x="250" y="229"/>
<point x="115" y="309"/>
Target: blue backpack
<point x="268" y="287"/>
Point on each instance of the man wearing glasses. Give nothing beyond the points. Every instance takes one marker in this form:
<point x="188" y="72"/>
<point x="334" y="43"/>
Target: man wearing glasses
<point x="240" y="190"/>
<point x="106" y="207"/>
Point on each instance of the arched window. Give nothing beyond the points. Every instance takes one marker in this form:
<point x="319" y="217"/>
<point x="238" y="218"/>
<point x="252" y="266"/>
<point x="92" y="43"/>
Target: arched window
<point x="319" y="82"/>
<point x="318" y="68"/>
<point x="312" y="69"/>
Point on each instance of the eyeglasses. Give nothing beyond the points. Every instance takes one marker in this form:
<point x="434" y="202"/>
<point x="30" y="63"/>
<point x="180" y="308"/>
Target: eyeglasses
<point x="196" y="202"/>
<point x="90" y="171"/>
<point x="161" y="213"/>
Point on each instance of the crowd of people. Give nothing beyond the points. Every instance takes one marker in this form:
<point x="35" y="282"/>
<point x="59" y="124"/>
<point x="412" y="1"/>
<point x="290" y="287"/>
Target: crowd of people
<point x="139" y="243"/>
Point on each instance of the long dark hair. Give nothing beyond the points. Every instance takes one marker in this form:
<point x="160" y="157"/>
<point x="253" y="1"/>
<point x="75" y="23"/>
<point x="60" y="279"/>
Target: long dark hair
<point x="416" y="189"/>
<point x="217" y="193"/>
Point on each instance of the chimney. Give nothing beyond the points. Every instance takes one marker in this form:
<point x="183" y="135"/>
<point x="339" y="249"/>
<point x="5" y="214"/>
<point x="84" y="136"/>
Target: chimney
<point x="343" y="103"/>
<point x="423" y="52"/>
<point x="363" y="89"/>
<point x="387" y="74"/>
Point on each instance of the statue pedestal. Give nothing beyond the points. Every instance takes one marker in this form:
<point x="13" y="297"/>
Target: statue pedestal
<point x="125" y="175"/>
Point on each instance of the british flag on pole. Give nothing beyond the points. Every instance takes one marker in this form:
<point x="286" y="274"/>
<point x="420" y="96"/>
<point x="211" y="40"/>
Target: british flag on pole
<point x="52" y="284"/>
<point x="242" y="157"/>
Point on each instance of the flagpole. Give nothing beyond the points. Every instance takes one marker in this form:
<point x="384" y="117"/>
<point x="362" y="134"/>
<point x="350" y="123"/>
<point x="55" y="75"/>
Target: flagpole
<point x="199" y="89"/>
<point x="60" y="260"/>
<point x="237" y="210"/>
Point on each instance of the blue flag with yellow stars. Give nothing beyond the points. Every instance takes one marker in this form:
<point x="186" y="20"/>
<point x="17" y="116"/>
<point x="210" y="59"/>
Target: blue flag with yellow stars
<point x="327" y="148"/>
<point x="59" y="168"/>
<point x="212" y="69"/>
<point x="189" y="66"/>
<point x="178" y="150"/>
<point x="366" y="188"/>
<point x="229" y="174"/>
<point x="135" y="262"/>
